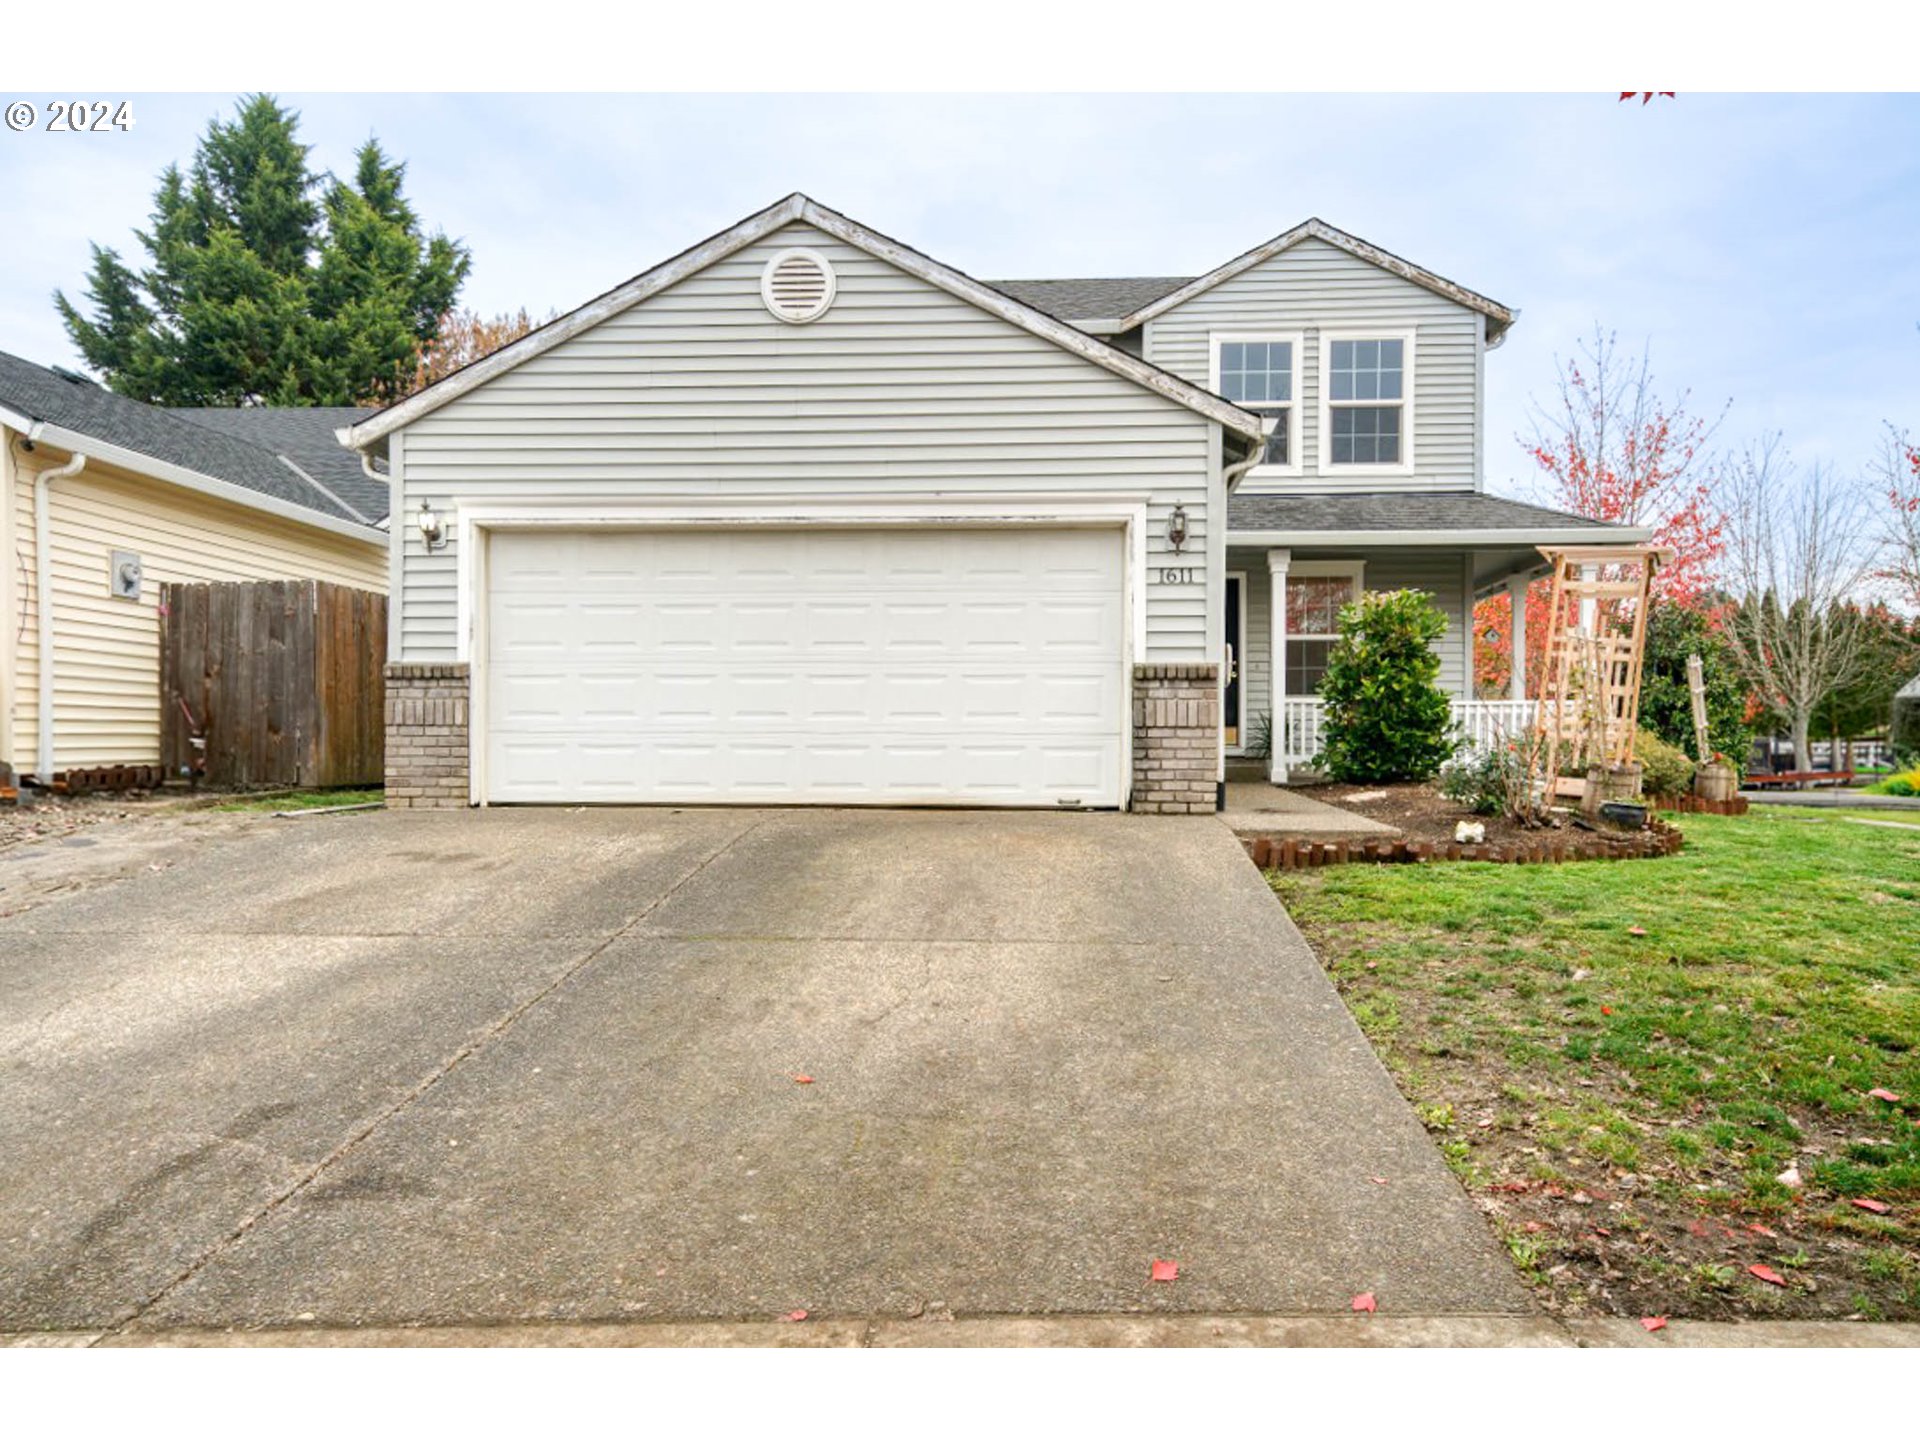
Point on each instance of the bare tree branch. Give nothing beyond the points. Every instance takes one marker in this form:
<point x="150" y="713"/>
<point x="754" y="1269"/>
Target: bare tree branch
<point x="1800" y="552"/>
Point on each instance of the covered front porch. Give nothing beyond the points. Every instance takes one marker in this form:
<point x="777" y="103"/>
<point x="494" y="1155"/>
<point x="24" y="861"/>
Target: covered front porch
<point x="1294" y="560"/>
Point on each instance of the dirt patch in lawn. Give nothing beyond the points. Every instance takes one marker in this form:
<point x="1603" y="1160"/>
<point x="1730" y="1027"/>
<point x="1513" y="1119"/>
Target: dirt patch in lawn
<point x="1654" y="1079"/>
<point x="1422" y="813"/>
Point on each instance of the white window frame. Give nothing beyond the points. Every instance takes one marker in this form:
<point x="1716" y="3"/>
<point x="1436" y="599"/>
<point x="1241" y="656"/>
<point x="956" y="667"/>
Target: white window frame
<point x="1354" y="570"/>
<point x="1328" y="404"/>
<point x="1296" y="432"/>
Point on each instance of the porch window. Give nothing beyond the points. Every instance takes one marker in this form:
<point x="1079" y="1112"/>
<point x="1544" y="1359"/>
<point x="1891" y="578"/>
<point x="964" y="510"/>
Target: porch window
<point x="1365" y="408"/>
<point x="1315" y="593"/>
<point x="1260" y="373"/>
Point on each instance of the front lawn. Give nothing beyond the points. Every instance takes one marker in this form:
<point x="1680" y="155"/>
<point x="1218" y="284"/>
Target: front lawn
<point x="1622" y="1104"/>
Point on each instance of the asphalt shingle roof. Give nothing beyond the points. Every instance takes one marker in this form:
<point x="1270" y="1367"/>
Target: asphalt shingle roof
<point x="1403" y="510"/>
<point x="1072" y="300"/>
<point x="246" y="453"/>
<point x="305" y="436"/>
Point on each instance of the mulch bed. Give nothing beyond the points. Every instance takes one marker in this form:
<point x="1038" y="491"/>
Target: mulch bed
<point x="1427" y="821"/>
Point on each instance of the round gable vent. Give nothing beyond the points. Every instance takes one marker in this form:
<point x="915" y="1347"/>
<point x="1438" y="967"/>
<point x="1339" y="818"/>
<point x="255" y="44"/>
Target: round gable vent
<point x="797" y="285"/>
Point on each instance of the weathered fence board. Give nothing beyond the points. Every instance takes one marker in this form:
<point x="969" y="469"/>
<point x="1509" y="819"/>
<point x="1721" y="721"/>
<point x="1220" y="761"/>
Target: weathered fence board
<point x="282" y="679"/>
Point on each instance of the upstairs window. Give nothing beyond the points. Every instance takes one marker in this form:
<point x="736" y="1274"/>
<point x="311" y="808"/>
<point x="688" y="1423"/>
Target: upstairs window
<point x="1260" y="374"/>
<point x="1365" y="408"/>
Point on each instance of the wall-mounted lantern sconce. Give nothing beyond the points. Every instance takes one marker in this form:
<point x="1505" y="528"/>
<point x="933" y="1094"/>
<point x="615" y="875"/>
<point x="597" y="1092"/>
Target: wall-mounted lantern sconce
<point x="1177" y="529"/>
<point x="431" y="531"/>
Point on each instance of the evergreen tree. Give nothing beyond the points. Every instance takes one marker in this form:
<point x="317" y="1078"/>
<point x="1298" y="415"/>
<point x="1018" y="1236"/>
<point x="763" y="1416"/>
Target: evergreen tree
<point x="267" y="283"/>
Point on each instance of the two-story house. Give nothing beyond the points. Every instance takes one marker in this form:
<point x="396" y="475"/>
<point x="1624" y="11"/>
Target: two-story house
<point x="803" y="516"/>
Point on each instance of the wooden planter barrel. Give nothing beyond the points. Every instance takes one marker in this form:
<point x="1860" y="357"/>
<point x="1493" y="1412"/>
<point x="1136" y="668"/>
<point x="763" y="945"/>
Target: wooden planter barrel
<point x="1715" y="782"/>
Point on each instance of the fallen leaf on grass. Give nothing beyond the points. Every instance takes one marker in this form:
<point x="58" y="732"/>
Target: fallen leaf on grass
<point x="1365" y="1303"/>
<point x="1768" y="1274"/>
<point x="1875" y="1207"/>
<point x="1757" y="1228"/>
<point x="794" y="1315"/>
<point x="1606" y="1009"/>
<point x="1164" y="1270"/>
<point x="1653" y="1322"/>
<point x="1878" y="1093"/>
<point x="1635" y="931"/>
<point x="1790" y="1177"/>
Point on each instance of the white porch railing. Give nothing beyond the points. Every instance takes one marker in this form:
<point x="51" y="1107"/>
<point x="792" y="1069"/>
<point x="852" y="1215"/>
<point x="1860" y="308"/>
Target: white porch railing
<point x="1481" y="725"/>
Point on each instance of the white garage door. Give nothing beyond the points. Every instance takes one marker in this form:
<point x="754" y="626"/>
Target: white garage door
<point x="929" y="666"/>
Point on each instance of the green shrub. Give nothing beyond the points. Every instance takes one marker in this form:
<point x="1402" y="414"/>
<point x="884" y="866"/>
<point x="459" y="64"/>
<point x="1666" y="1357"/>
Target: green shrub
<point x="1903" y="784"/>
<point x="1666" y="705"/>
<point x="1479" y="780"/>
<point x="1386" y="715"/>
<point x="1664" y="769"/>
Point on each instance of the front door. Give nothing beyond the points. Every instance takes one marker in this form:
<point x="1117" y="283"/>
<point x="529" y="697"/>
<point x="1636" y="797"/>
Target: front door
<point x="1236" y="638"/>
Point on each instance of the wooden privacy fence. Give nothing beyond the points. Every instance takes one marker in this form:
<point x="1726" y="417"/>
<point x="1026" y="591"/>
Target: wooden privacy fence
<point x="281" y="680"/>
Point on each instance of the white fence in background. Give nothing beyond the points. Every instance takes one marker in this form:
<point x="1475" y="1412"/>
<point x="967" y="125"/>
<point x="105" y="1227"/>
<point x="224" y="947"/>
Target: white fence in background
<point x="1481" y="724"/>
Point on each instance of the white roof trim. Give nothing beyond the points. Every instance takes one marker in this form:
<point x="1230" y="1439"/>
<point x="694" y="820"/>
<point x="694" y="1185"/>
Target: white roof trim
<point x="1317" y="229"/>
<point x="166" y="471"/>
<point x="1526" y="539"/>
<point x="798" y="208"/>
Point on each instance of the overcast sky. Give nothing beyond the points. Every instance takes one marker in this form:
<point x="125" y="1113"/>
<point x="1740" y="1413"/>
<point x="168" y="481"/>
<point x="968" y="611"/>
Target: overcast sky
<point x="1764" y="247"/>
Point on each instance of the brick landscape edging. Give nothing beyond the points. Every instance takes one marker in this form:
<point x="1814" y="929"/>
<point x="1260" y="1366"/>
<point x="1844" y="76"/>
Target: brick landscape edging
<point x="1291" y="853"/>
<point x="1695" y="805"/>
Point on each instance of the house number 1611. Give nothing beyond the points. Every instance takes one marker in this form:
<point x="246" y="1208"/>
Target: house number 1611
<point x="1178" y="574"/>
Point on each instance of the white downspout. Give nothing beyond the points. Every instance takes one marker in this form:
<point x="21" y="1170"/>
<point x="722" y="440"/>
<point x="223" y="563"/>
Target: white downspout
<point x="43" y="605"/>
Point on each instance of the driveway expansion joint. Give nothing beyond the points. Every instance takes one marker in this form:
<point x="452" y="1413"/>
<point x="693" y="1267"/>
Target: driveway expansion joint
<point x="465" y="1052"/>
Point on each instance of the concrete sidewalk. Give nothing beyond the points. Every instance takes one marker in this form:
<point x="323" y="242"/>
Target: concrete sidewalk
<point x="1832" y="799"/>
<point x="1255" y="807"/>
<point x="1058" y="1331"/>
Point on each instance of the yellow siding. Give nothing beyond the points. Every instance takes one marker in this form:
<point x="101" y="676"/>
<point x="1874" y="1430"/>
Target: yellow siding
<point x="106" y="651"/>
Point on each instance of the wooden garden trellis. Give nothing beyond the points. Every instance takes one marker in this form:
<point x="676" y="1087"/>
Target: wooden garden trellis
<point x="1596" y="639"/>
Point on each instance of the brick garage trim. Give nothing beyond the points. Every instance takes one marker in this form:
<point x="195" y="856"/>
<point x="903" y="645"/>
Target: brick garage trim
<point x="427" y="708"/>
<point x="1176" y="739"/>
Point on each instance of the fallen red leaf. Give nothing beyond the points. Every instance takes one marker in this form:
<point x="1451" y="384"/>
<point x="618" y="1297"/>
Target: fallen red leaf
<point x="1164" y="1270"/>
<point x="803" y="1079"/>
<point x="794" y="1315"/>
<point x="1601" y="1230"/>
<point x="1653" y="1322"/>
<point x="1766" y="1273"/>
<point x="1606" y="1009"/>
<point x="1878" y="1093"/>
<point x="1877" y="1207"/>
<point x="1757" y="1228"/>
<point x="1697" y="1229"/>
<point x="1378" y="1179"/>
<point x="1365" y="1303"/>
<point x="1635" y="930"/>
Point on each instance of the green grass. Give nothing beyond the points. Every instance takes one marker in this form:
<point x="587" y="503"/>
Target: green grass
<point x="1777" y="983"/>
<point x="1790" y="814"/>
<point x="303" y="800"/>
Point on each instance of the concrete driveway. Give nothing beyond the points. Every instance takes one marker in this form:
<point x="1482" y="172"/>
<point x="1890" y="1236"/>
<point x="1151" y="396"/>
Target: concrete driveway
<point x="516" y="1065"/>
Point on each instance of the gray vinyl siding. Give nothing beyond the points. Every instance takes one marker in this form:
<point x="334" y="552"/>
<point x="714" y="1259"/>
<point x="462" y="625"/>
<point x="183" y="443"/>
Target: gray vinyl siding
<point x="899" y="390"/>
<point x="1442" y="573"/>
<point x="1314" y="287"/>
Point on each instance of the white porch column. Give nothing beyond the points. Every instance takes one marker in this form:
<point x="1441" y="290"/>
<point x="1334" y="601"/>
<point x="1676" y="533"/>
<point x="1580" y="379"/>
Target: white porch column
<point x="1277" y="562"/>
<point x="1517" y="628"/>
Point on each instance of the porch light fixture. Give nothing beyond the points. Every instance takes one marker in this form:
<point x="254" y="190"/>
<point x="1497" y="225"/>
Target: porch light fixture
<point x="1177" y="529"/>
<point x="431" y="531"/>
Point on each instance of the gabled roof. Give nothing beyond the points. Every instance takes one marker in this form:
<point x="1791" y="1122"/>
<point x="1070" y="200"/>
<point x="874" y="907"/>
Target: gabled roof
<point x="798" y="208"/>
<point x="1414" y="518"/>
<point x="1499" y="317"/>
<point x="1081" y="300"/>
<point x="76" y="414"/>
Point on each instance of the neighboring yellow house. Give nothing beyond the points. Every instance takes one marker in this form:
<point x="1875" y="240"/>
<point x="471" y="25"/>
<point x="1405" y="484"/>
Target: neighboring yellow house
<point x="106" y="499"/>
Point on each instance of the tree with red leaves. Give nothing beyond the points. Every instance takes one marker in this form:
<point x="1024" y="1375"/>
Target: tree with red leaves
<point x="1899" y="471"/>
<point x="1610" y="447"/>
